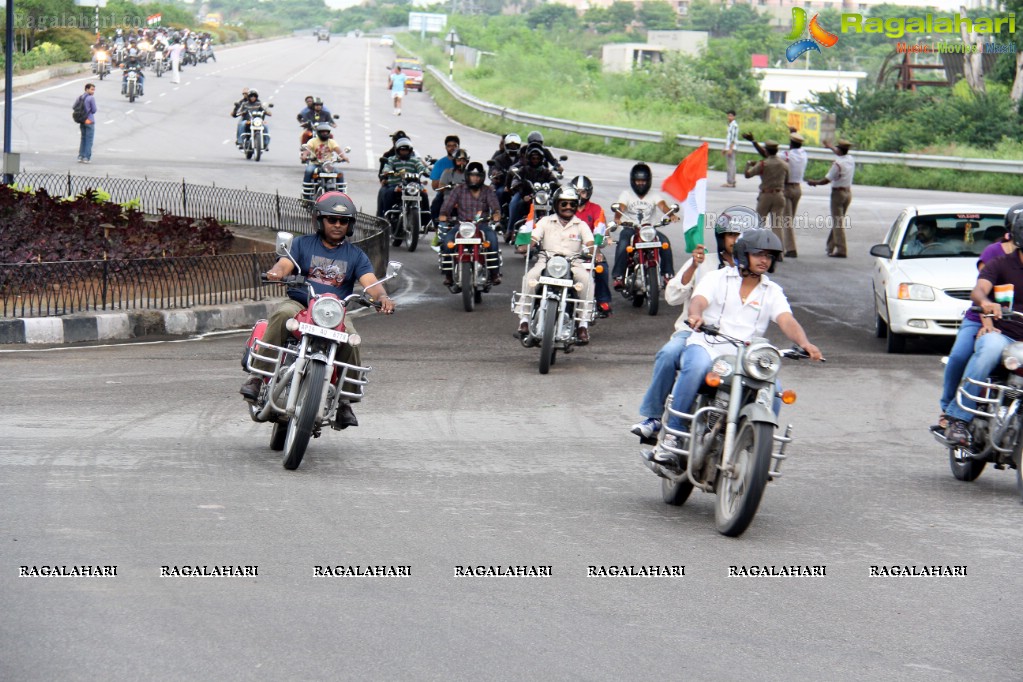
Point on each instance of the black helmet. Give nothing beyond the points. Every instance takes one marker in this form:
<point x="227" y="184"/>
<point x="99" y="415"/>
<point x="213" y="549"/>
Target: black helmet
<point x="333" y="204"/>
<point x="397" y="135"/>
<point x="1014" y="224"/>
<point x="253" y="93"/>
<point x="580" y="184"/>
<point x="640" y="171"/>
<point x="535" y="137"/>
<point x="474" y="168"/>
<point x="736" y="220"/>
<point x="752" y="241"/>
<point x="317" y="100"/>
<point x="533" y="149"/>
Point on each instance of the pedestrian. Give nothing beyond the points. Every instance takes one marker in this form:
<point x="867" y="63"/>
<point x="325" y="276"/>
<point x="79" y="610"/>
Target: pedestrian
<point x="774" y="174"/>
<point x="398" y="89"/>
<point x="176" y="49"/>
<point x="731" y="139"/>
<point x="840" y="177"/>
<point x="796" y="158"/>
<point x="87" y="127"/>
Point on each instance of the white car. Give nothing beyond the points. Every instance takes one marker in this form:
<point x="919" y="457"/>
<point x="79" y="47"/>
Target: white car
<point x="927" y="267"/>
<point x="386" y="41"/>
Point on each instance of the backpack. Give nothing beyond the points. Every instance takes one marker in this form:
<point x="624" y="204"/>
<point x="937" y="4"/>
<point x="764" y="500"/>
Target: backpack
<point x="78" y="113"/>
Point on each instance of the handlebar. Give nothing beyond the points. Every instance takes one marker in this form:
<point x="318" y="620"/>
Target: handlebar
<point x="794" y="353"/>
<point x="1006" y="312"/>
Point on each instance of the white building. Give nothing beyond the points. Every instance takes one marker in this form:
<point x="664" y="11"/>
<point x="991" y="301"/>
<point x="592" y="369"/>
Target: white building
<point x="788" y="87"/>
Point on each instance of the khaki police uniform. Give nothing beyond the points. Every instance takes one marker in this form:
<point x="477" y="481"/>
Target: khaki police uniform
<point x="841" y="176"/>
<point x="567" y="240"/>
<point x="774" y="173"/>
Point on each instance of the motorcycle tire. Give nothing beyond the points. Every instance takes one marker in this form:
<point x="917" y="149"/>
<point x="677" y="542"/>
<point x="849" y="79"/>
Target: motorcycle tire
<point x="278" y="435"/>
<point x="468" y="285"/>
<point x="300" y="427"/>
<point x="131" y="95"/>
<point x="653" y="289"/>
<point x="550" y="326"/>
<point x="738" y="498"/>
<point x="257" y="144"/>
<point x="676" y="494"/>
<point x="102" y="74"/>
<point x="412" y="229"/>
<point x="966" y="469"/>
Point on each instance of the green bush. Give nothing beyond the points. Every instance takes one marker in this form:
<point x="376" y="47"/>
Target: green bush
<point x="41" y="55"/>
<point x="75" y="42"/>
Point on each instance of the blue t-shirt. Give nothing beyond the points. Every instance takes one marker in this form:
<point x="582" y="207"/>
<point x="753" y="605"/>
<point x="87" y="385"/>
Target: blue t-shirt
<point x="398" y="82"/>
<point x="440" y="166"/>
<point x="329" y="270"/>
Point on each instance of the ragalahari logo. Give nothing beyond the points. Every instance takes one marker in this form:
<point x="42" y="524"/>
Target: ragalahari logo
<point x="818" y="36"/>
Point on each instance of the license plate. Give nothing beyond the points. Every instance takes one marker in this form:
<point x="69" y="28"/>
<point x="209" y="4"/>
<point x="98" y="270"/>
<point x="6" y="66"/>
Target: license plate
<point x="556" y="282"/>
<point x="332" y="334"/>
<point x="468" y="241"/>
<point x="328" y="175"/>
<point x="648" y="245"/>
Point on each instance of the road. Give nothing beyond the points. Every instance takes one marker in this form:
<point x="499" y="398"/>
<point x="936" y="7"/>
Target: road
<point x="142" y="456"/>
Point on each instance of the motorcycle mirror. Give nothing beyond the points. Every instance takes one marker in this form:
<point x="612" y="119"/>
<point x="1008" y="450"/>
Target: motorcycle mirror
<point x="347" y="149"/>
<point x="337" y="115"/>
<point x="616" y="207"/>
<point x="393" y="267"/>
<point x="673" y="209"/>
<point x="490" y="162"/>
<point x="562" y="158"/>
<point x="611" y="227"/>
<point x="283" y="244"/>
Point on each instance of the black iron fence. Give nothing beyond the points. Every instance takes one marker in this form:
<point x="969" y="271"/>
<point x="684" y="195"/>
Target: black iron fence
<point x="44" y="289"/>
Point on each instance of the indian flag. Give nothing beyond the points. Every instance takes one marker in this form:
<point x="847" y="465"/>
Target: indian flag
<point x="1004" y="294"/>
<point x="688" y="184"/>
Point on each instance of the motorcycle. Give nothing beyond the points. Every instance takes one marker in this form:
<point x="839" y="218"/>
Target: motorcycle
<point x="327" y="177"/>
<point x="131" y="86"/>
<point x="303" y="391"/>
<point x="542" y="193"/>
<point x="406" y="219"/>
<point x="997" y="425"/>
<point x="307" y="130"/>
<point x="729" y="449"/>
<point x="159" y="61"/>
<point x="555" y="312"/>
<point x="469" y="264"/>
<point x="255" y="139"/>
<point x="643" y="272"/>
<point x="102" y="65"/>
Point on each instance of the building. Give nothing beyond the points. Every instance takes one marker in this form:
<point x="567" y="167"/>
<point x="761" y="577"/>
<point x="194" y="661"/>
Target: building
<point x="786" y="88"/>
<point x="622" y="57"/>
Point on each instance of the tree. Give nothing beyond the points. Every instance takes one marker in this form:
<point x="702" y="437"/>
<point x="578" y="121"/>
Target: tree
<point x="622" y="13"/>
<point x="657" y="14"/>
<point x="549" y="16"/>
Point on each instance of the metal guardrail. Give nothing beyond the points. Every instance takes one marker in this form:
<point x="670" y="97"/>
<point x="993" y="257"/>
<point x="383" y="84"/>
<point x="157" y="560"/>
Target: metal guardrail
<point x="62" y="288"/>
<point x="634" y="135"/>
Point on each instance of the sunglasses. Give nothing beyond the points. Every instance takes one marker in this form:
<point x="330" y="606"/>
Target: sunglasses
<point x="334" y="220"/>
<point x="568" y="204"/>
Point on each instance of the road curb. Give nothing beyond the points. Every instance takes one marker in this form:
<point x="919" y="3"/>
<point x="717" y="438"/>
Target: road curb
<point x="106" y="326"/>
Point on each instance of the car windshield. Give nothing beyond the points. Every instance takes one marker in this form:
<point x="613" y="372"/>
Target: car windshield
<point x="963" y="235"/>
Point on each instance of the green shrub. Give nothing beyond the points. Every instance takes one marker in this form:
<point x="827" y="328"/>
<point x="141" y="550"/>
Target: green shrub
<point x="75" y="42"/>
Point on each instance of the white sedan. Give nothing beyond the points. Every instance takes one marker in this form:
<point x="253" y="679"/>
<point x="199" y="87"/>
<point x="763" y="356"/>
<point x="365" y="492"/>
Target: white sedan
<point x="927" y="267"/>
<point x="386" y="41"/>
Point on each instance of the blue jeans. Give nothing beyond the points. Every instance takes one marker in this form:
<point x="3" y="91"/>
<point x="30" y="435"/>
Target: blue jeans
<point x="241" y="130"/>
<point x="667" y="361"/>
<point x="517" y="210"/>
<point x="986" y="355"/>
<point x="88" y="134"/>
<point x="960" y="354"/>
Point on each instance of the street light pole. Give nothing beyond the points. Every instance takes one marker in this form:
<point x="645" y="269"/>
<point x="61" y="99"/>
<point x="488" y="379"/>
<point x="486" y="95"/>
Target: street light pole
<point x="8" y="178"/>
<point x="452" y="39"/>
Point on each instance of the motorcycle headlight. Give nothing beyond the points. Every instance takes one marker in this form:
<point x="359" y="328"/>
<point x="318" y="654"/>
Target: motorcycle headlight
<point x="722" y="368"/>
<point x="762" y="362"/>
<point x="915" y="292"/>
<point x="1012" y="356"/>
<point x="466" y="230"/>
<point x="328" y="312"/>
<point x="648" y="234"/>
<point x="257" y="121"/>
<point x="328" y="167"/>
<point x="558" y="267"/>
<point x="412" y="188"/>
<point x="541" y="197"/>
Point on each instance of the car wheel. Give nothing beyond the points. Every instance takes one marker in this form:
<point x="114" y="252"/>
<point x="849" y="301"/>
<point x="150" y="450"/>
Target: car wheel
<point x="880" y="326"/>
<point x="895" y="343"/>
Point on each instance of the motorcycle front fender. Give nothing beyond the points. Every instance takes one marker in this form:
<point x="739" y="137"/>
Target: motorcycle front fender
<point x="757" y="413"/>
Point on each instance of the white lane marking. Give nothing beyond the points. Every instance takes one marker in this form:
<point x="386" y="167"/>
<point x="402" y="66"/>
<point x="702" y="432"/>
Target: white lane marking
<point x="108" y="122"/>
<point x="130" y="111"/>
<point x="366" y="117"/>
<point x="163" y="94"/>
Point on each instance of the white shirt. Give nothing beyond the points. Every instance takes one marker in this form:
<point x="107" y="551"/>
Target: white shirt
<point x="726" y="311"/>
<point x="677" y="293"/>
<point x="633" y="204"/>
<point x="732" y="137"/>
<point x="797" y="164"/>
<point x="841" y="172"/>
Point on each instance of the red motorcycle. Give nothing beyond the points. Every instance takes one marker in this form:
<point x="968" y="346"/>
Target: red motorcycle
<point x="643" y="272"/>
<point x="469" y="264"/>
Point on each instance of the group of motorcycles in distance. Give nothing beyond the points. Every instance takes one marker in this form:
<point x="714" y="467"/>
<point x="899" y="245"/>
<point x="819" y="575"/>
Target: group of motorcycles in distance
<point x="148" y="49"/>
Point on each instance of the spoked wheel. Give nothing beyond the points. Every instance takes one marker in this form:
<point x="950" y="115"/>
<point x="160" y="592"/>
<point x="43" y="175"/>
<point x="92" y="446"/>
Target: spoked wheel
<point x="964" y="467"/>
<point x="278" y="435"/>
<point x="467" y="280"/>
<point x="412" y="229"/>
<point x="257" y="143"/>
<point x="550" y="324"/>
<point x="738" y="496"/>
<point x="300" y="427"/>
<point x="653" y="293"/>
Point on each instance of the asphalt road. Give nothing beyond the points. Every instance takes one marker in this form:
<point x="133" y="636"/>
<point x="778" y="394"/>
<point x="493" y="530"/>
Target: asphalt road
<point x="142" y="456"/>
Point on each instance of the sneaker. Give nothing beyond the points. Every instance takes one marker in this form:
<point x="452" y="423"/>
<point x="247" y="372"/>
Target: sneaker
<point x="959" y="433"/>
<point x="345" y="417"/>
<point x="647" y="428"/>
<point x="251" y="388"/>
<point x="619" y="284"/>
<point x="86" y="160"/>
<point x="663" y="456"/>
<point x="604" y="309"/>
<point x="524" y="328"/>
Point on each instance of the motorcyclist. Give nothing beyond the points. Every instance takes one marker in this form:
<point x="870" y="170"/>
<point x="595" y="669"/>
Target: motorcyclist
<point x="529" y="169"/>
<point x="741" y="302"/>
<point x="132" y="62"/>
<point x="652" y="204"/>
<point x="403" y="160"/>
<point x="384" y="158"/>
<point x="244" y="112"/>
<point x="561" y="233"/>
<point x="470" y="202"/>
<point x="503" y="160"/>
<point x="316" y="152"/>
<point x="593" y="215"/>
<point x="536" y="138"/>
<point x="454" y="175"/>
<point x="317" y="114"/>
<point x="331" y="264"/>
<point x="991" y="341"/>
<point x="451" y="145"/>
<point x="729" y="225"/>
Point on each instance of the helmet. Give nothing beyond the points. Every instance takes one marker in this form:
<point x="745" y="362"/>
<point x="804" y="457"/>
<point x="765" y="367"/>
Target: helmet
<point x="253" y="93"/>
<point x="403" y="143"/>
<point x="321" y="127"/>
<point x="756" y="240"/>
<point x="535" y="137"/>
<point x="461" y="154"/>
<point x="565" y="193"/>
<point x="640" y="171"/>
<point x="1014" y="223"/>
<point x="333" y="204"/>
<point x="581" y="184"/>
<point x="736" y="220"/>
<point x="474" y="168"/>
<point x="397" y="135"/>
<point x="317" y="100"/>
<point x="512" y="138"/>
<point x="533" y="149"/>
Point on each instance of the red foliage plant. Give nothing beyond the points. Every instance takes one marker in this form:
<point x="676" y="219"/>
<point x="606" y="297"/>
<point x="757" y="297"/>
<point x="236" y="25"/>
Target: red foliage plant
<point x="35" y="227"/>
